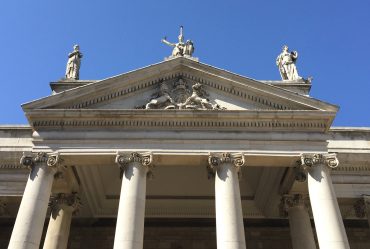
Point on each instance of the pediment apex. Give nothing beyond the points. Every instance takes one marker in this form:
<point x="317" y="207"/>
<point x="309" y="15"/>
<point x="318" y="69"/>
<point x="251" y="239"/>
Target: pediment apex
<point x="145" y="81"/>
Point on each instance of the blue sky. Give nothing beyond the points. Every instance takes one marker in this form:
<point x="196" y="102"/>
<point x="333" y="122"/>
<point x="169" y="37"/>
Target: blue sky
<point x="332" y="38"/>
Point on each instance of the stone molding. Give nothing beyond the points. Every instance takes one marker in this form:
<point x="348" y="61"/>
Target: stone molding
<point x="216" y="159"/>
<point x="289" y="201"/>
<point x="30" y="159"/>
<point x="11" y="166"/>
<point x="170" y="120"/>
<point x="63" y="200"/>
<point x="123" y="159"/>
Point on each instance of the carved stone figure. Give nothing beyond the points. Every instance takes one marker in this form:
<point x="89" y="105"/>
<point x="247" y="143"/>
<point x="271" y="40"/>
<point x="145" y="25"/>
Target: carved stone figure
<point x="189" y="48"/>
<point x="286" y="64"/>
<point x="180" y="48"/>
<point x="176" y="95"/>
<point x="74" y="63"/>
<point x="197" y="100"/>
<point x="163" y="99"/>
<point x="180" y="91"/>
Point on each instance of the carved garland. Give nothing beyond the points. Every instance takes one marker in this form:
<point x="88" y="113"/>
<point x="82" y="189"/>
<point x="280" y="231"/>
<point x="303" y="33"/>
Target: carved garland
<point x="216" y="159"/>
<point x="124" y="159"/>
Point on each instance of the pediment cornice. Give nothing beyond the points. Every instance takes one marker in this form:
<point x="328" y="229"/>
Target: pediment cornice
<point x="264" y="96"/>
<point x="181" y="120"/>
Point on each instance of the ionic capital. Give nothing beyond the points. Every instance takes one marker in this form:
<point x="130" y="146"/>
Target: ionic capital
<point x="289" y="201"/>
<point x="123" y="159"/>
<point x="62" y="200"/>
<point x="311" y="160"/>
<point x="31" y="159"/>
<point x="217" y="159"/>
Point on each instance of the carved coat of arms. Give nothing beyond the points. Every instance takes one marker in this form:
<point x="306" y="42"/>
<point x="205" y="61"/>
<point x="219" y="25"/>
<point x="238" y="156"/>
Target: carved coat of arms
<point x="179" y="96"/>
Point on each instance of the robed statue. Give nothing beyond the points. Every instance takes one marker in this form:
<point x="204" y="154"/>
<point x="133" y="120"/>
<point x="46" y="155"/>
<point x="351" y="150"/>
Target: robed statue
<point x="180" y="48"/>
<point x="286" y="63"/>
<point x="74" y="63"/>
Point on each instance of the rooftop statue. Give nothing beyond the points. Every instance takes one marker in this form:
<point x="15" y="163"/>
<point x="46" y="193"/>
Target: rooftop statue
<point x="286" y="64"/>
<point x="74" y="63"/>
<point x="180" y="48"/>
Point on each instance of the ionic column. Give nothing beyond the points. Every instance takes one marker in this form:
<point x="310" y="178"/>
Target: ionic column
<point x="62" y="207"/>
<point x="131" y="211"/>
<point x="30" y="220"/>
<point x="328" y="220"/>
<point x="299" y="222"/>
<point x="229" y="217"/>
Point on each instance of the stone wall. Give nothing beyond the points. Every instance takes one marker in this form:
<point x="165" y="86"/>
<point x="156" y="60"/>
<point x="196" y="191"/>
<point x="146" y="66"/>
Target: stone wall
<point x="185" y="235"/>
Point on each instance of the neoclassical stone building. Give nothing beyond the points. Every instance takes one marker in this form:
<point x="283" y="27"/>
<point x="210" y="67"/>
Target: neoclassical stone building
<point x="181" y="154"/>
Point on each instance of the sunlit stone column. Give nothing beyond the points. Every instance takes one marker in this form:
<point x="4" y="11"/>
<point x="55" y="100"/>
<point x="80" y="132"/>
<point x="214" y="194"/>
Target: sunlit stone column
<point x="299" y="221"/>
<point x="131" y="211"/>
<point x="328" y="220"/>
<point x="62" y="207"/>
<point x="229" y="216"/>
<point x="30" y="220"/>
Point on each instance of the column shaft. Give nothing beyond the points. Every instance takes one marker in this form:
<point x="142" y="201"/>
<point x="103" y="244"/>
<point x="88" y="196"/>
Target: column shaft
<point x="58" y="229"/>
<point x="300" y="228"/>
<point x="131" y="211"/>
<point x="229" y="217"/>
<point x="328" y="220"/>
<point x="30" y="220"/>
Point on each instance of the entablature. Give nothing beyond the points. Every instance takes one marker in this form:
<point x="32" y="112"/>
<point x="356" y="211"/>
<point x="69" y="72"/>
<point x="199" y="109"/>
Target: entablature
<point x="243" y="120"/>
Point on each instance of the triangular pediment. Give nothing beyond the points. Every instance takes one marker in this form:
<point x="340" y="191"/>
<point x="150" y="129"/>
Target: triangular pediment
<point x="179" y="85"/>
<point x="135" y="89"/>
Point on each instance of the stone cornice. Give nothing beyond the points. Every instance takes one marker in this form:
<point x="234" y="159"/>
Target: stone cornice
<point x="246" y="120"/>
<point x="253" y="91"/>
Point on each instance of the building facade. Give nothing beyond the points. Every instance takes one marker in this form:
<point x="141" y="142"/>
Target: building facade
<point x="181" y="154"/>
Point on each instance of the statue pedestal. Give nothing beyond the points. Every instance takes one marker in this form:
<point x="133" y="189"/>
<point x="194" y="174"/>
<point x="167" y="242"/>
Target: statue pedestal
<point x="171" y="57"/>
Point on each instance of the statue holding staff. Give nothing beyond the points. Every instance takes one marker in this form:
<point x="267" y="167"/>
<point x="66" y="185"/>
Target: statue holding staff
<point x="180" y="48"/>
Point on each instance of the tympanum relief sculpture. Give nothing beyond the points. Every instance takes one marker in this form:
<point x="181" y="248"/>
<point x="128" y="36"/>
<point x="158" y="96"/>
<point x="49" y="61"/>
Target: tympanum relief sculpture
<point x="179" y="96"/>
